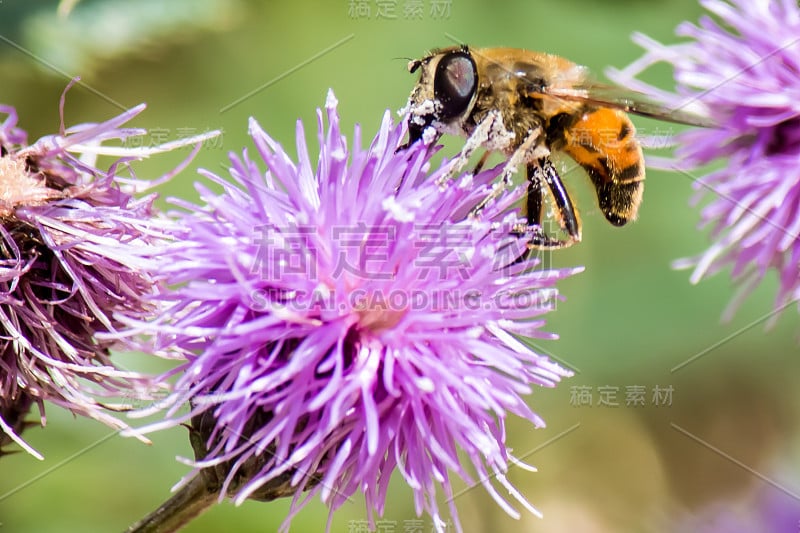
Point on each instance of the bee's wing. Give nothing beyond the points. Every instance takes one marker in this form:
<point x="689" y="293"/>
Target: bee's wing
<point x="629" y="101"/>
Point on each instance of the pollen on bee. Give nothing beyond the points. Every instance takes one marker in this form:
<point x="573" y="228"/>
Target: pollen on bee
<point x="429" y="135"/>
<point x="424" y="108"/>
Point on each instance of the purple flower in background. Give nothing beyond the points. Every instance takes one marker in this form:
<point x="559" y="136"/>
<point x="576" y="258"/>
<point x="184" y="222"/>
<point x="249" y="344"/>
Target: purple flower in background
<point x="768" y="509"/>
<point x="73" y="239"/>
<point x="349" y="319"/>
<point x="743" y="72"/>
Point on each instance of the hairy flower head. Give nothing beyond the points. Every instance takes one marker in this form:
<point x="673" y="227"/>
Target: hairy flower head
<point x="348" y="319"/>
<point x="73" y="239"/>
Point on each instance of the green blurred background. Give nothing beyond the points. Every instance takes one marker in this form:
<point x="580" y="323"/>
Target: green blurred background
<point x="627" y="322"/>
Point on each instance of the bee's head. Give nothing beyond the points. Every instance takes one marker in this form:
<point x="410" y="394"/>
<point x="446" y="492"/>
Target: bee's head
<point x="445" y="92"/>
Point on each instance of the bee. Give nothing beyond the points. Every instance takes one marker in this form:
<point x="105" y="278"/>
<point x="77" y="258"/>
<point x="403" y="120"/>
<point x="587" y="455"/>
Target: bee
<point x="528" y="105"/>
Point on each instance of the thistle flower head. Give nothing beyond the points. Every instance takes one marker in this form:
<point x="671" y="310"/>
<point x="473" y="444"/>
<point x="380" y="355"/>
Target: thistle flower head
<point x="741" y="69"/>
<point x="72" y="242"/>
<point x="348" y="319"/>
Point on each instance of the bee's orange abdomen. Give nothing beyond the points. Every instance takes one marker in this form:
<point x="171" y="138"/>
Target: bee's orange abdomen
<point x="603" y="141"/>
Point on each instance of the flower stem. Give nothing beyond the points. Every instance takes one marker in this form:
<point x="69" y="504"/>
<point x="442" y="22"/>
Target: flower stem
<point x="184" y="506"/>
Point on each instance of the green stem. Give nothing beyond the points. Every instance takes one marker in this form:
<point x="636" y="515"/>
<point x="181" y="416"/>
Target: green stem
<point x="184" y="506"/>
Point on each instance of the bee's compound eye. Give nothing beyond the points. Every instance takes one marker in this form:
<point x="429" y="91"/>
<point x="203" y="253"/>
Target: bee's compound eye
<point x="454" y="83"/>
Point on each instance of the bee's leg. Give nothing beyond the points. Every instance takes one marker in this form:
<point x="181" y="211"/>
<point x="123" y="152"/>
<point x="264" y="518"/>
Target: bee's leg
<point x="541" y="174"/>
<point x="481" y="162"/>
<point x="567" y="215"/>
<point x="534" y="206"/>
<point x="523" y="153"/>
<point x="474" y="141"/>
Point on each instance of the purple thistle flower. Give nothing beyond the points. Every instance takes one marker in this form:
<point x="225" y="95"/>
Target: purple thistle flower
<point x="347" y="320"/>
<point x="744" y="74"/>
<point x="73" y="239"/>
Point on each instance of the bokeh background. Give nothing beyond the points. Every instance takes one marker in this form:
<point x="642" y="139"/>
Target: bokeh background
<point x="722" y="435"/>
